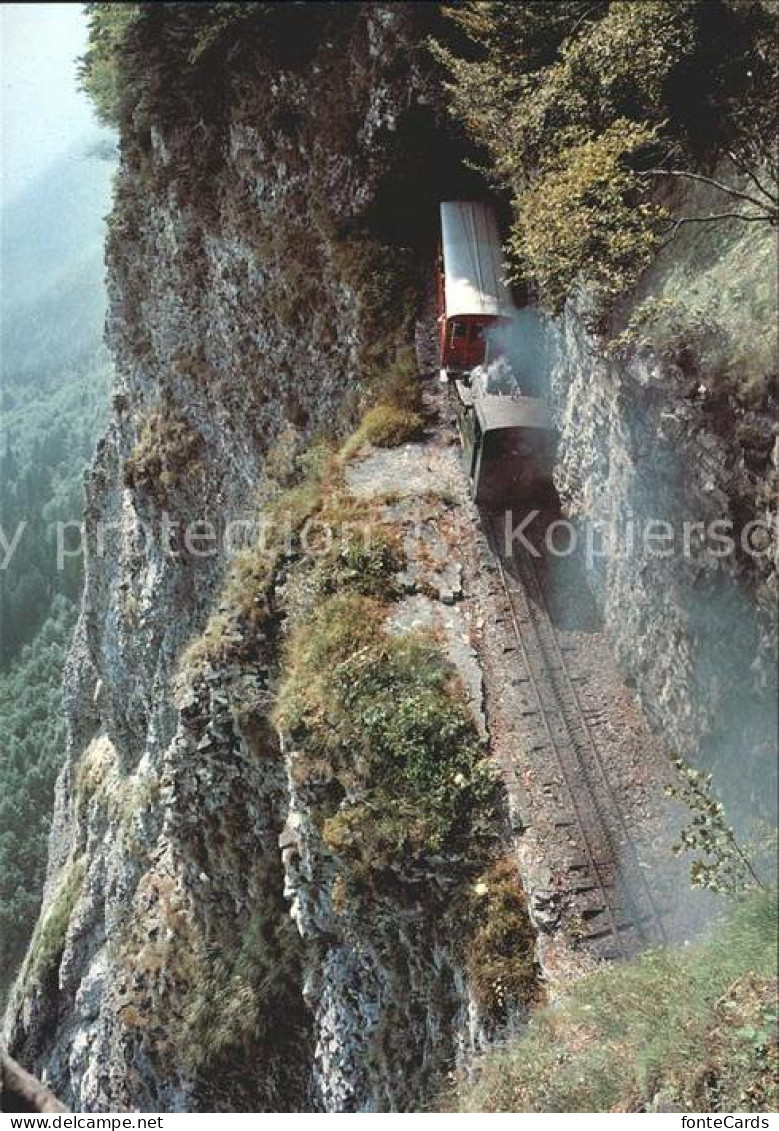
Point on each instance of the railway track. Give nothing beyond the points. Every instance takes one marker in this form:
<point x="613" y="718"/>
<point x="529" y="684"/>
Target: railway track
<point x="618" y="912"/>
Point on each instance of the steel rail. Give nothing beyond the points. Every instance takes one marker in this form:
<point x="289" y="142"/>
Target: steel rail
<point x="529" y="570"/>
<point x="568" y="711"/>
<point x="576" y="811"/>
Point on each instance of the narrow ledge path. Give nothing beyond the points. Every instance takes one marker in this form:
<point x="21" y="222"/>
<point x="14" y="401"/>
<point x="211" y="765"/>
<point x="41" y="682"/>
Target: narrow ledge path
<point x="591" y="825"/>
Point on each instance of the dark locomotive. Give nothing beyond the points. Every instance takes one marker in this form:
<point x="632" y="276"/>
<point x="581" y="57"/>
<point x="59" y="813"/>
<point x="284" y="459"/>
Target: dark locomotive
<point x="508" y="438"/>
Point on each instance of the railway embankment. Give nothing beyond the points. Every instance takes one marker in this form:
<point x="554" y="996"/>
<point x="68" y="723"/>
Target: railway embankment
<point x="576" y="865"/>
<point x="661" y="292"/>
<point x="585" y="773"/>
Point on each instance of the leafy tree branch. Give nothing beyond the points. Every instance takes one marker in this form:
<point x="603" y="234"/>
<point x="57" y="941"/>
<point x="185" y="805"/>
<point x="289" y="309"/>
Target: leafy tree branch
<point x="723" y="865"/>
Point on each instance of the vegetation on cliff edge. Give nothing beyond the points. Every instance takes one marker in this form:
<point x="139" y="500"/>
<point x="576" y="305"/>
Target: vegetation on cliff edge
<point x="690" y="1029"/>
<point x="582" y="108"/>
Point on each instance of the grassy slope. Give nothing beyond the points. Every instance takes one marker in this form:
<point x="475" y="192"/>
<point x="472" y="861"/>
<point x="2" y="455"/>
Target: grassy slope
<point x="690" y="1028"/>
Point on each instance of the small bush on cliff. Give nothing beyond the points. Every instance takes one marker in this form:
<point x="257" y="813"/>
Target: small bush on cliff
<point x="694" y="1026"/>
<point x="93" y="770"/>
<point x="387" y="712"/>
<point x="244" y="1012"/>
<point x="721" y="864"/>
<point x="245" y="610"/>
<point x="365" y="565"/>
<point x="166" y="455"/>
<point x="500" y="946"/>
<point x="48" y="942"/>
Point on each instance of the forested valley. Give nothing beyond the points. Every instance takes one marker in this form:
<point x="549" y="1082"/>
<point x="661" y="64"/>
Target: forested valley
<point x="54" y="399"/>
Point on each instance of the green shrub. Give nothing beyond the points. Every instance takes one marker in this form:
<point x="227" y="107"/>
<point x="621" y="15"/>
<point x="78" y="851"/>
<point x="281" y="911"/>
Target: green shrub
<point x="48" y="943"/>
<point x="389" y="713"/>
<point x="696" y="1025"/>
<point x="366" y="565"/>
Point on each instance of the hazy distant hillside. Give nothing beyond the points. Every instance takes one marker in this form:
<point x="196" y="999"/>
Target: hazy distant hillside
<point x="56" y="222"/>
<point x="52" y="265"/>
<point x="53" y="398"/>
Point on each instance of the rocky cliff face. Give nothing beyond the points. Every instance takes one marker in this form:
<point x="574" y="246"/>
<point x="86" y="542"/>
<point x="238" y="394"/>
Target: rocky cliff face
<point x="651" y="468"/>
<point x="166" y="972"/>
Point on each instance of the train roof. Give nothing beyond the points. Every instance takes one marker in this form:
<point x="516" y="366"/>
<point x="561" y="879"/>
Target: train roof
<point x="512" y="412"/>
<point x="474" y="276"/>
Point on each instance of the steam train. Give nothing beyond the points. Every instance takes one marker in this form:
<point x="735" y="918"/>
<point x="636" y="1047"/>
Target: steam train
<point x="508" y="438"/>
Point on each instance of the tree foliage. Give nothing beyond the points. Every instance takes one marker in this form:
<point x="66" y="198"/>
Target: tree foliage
<point x="100" y="68"/>
<point x="582" y="218"/>
<point x="54" y="404"/>
<point x="175" y="61"/>
<point x="53" y="418"/>
<point x="721" y="864"/>
<point x="52" y="423"/>
<point x="576" y="105"/>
